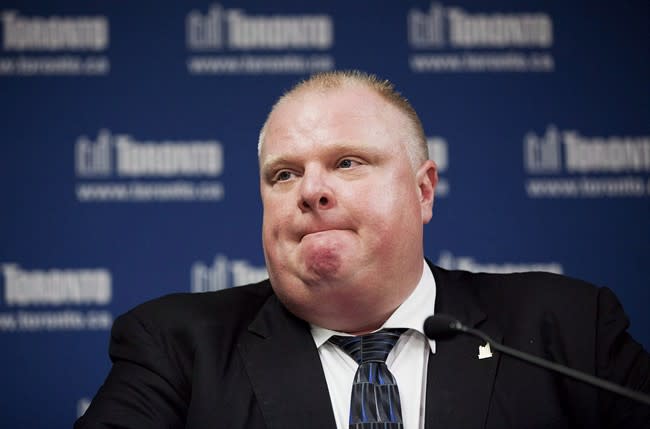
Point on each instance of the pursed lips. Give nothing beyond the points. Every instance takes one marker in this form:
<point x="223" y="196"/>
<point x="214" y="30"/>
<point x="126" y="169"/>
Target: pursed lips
<point x="318" y="231"/>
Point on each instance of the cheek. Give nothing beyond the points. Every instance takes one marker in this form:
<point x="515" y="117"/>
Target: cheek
<point x="395" y="212"/>
<point x="375" y="214"/>
<point x="274" y="212"/>
<point x="385" y="198"/>
<point x="277" y="228"/>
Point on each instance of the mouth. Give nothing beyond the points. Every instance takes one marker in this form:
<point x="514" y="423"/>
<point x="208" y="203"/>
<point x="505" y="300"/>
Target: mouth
<point x="318" y="232"/>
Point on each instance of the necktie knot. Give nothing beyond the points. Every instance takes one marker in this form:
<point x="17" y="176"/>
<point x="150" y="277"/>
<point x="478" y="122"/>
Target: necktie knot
<point x="373" y="347"/>
<point x="375" y="402"/>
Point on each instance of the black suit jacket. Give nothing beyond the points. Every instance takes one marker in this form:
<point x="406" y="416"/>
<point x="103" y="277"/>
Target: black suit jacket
<point x="238" y="359"/>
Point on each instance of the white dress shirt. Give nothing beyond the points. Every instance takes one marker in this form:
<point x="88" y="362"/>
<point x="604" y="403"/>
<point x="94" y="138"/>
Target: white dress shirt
<point x="407" y="361"/>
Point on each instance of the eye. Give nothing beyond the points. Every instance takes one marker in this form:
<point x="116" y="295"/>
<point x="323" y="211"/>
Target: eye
<point x="282" y="176"/>
<point x="347" y="163"/>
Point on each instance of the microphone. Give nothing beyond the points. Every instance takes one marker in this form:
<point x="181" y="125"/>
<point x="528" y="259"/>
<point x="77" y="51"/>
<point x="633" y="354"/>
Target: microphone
<point x="442" y="326"/>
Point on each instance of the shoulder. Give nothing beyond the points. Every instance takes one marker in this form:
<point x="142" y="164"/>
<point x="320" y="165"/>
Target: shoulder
<point x="225" y="307"/>
<point x="536" y="288"/>
<point x="528" y="297"/>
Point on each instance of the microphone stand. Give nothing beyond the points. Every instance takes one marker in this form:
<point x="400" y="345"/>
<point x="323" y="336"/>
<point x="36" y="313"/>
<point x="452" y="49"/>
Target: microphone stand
<point x="456" y="326"/>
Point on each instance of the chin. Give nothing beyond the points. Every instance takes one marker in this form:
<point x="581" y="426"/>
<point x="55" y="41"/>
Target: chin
<point x="324" y="270"/>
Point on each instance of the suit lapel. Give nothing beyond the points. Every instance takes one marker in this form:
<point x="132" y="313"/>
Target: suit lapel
<point x="285" y="372"/>
<point x="459" y="385"/>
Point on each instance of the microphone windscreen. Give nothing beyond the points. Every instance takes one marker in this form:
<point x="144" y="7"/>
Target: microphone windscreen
<point x="440" y="326"/>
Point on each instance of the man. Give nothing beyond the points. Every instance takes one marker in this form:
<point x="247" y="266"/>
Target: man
<point x="347" y="187"/>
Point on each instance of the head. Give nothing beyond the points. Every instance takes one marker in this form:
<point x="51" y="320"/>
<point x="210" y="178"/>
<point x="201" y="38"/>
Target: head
<point x="346" y="188"/>
<point x="416" y="145"/>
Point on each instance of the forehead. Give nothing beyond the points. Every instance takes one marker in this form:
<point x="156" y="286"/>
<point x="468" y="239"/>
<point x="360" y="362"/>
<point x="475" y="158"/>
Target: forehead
<point x="324" y="116"/>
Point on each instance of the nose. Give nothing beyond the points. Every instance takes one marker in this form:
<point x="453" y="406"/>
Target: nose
<point x="316" y="192"/>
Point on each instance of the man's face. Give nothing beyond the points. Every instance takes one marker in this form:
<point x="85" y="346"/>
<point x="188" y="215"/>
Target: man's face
<point x="343" y="207"/>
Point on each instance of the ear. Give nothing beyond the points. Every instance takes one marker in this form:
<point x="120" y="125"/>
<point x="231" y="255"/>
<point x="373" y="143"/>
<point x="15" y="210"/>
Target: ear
<point x="427" y="178"/>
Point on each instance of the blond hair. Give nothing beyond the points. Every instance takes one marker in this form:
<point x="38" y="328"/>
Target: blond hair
<point x="416" y="144"/>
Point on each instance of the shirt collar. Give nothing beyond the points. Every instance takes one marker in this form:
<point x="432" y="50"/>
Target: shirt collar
<point x="411" y="314"/>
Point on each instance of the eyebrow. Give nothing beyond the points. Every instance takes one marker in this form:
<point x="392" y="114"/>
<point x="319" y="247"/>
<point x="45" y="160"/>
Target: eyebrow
<point x="273" y="160"/>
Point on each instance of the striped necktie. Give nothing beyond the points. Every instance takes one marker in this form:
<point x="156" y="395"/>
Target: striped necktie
<point x="375" y="400"/>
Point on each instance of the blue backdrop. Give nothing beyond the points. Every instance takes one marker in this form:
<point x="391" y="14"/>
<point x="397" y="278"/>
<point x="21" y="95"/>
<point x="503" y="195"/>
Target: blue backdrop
<point x="129" y="169"/>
